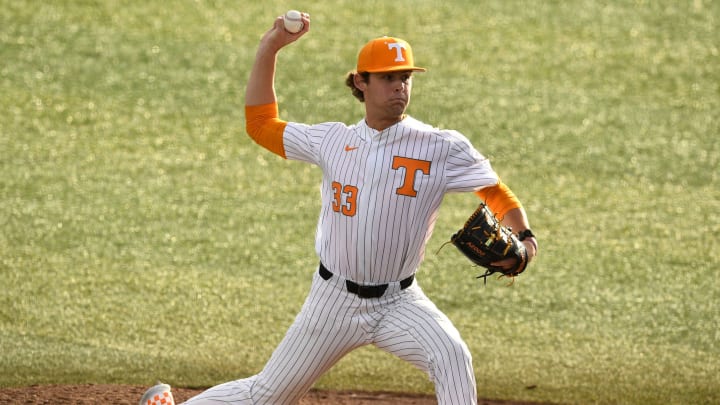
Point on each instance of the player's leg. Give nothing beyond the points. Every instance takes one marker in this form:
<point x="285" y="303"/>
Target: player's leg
<point x="417" y="331"/>
<point x="322" y="333"/>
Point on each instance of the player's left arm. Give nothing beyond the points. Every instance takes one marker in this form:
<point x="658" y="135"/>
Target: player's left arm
<point x="508" y="209"/>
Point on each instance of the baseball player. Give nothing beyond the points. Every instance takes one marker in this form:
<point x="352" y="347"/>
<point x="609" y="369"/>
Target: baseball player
<point x="382" y="184"/>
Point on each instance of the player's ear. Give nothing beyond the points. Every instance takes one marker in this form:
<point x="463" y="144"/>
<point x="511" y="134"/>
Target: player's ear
<point x="360" y="82"/>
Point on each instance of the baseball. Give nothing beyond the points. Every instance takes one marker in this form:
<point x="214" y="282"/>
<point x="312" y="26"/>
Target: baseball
<point x="293" y="21"/>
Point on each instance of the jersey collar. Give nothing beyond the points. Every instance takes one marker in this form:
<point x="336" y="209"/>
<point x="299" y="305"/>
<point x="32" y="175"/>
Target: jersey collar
<point x="367" y="133"/>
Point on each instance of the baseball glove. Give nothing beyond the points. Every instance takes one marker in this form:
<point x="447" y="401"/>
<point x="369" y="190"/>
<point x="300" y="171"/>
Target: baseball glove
<point x="485" y="241"/>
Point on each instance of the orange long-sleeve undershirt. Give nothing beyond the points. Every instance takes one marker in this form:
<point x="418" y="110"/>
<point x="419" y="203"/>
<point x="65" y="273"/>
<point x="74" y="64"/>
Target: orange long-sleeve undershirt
<point x="264" y="126"/>
<point x="499" y="198"/>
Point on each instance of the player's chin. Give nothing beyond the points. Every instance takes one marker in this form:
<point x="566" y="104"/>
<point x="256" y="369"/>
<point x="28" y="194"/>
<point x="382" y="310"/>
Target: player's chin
<point x="397" y="107"/>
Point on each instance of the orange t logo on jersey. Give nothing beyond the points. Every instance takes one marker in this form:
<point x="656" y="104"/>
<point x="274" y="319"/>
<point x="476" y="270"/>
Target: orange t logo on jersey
<point x="412" y="166"/>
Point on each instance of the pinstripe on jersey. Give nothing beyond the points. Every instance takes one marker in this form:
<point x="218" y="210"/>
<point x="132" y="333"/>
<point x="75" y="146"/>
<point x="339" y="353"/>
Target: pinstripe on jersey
<point x="380" y="196"/>
<point x="381" y="191"/>
<point x="334" y="322"/>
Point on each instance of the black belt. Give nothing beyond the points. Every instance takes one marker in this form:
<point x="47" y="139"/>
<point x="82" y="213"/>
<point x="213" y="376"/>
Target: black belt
<point x="365" y="291"/>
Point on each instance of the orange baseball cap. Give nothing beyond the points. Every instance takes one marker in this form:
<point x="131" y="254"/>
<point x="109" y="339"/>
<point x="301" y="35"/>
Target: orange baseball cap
<point x="386" y="54"/>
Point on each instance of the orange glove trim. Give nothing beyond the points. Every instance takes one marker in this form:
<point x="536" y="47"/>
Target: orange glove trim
<point x="265" y="128"/>
<point x="499" y="198"/>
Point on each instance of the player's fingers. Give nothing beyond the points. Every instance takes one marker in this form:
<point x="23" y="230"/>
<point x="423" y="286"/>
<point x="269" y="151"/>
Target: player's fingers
<point x="506" y="264"/>
<point x="305" y="18"/>
<point x="306" y="22"/>
<point x="278" y="37"/>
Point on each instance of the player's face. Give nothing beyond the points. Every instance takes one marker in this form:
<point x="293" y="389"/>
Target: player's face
<point x="387" y="94"/>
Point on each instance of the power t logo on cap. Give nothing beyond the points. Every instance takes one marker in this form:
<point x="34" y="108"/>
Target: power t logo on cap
<point x="386" y="54"/>
<point x="399" y="48"/>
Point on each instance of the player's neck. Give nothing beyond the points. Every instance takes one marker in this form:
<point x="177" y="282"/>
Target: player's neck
<point x="380" y="124"/>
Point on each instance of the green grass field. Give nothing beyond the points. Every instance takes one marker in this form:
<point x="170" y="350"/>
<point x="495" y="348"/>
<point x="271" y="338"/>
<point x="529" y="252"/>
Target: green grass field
<point x="144" y="236"/>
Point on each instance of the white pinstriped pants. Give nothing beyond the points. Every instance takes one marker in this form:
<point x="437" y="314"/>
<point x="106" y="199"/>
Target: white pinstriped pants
<point x="333" y="322"/>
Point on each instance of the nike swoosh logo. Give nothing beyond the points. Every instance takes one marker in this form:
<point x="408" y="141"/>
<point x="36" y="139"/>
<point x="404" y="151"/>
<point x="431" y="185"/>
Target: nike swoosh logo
<point x="349" y="148"/>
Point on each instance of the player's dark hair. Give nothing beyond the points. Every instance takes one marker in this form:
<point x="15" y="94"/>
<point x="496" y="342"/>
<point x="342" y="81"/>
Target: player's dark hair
<point x="350" y="82"/>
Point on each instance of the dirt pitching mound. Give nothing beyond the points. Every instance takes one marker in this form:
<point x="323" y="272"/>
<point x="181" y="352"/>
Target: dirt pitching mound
<point x="130" y="394"/>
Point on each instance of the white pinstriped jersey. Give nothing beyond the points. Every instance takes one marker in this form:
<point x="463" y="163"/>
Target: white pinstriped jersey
<point x="381" y="191"/>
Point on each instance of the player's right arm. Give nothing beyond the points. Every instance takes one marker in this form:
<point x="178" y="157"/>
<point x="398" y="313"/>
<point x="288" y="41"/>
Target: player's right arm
<point x="261" y="83"/>
<point x="261" y="110"/>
